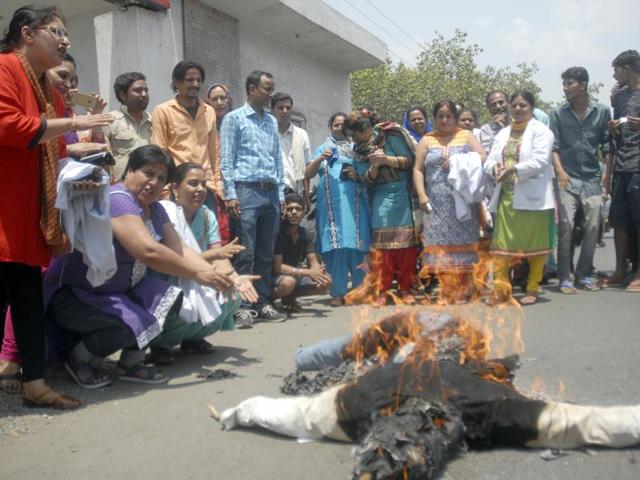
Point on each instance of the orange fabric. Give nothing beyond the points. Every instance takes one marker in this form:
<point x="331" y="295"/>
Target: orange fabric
<point x="188" y="139"/>
<point x="21" y="238"/>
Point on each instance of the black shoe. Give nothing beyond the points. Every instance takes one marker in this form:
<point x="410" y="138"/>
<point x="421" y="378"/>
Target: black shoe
<point x="269" y="314"/>
<point x="244" y="318"/>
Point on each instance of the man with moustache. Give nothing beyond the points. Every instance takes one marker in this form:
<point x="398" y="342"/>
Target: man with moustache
<point x="580" y="128"/>
<point x="253" y="174"/>
<point x="131" y="127"/>
<point x="185" y="126"/>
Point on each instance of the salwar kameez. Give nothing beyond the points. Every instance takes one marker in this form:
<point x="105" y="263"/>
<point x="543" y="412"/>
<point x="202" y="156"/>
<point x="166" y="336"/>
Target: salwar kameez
<point x="519" y="234"/>
<point x="343" y="222"/>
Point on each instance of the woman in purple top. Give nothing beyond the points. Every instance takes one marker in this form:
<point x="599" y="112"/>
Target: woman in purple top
<point x="129" y="310"/>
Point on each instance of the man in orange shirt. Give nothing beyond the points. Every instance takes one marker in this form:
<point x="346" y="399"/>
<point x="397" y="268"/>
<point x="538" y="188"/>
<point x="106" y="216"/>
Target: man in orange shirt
<point x="186" y="126"/>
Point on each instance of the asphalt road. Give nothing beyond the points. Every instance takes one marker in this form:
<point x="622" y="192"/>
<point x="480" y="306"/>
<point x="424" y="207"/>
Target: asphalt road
<point x="587" y="341"/>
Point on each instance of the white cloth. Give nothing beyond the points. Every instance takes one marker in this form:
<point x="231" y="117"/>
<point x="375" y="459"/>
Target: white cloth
<point x="295" y="151"/>
<point x="467" y="178"/>
<point x="86" y="220"/>
<point x="200" y="303"/>
<point x="534" y="170"/>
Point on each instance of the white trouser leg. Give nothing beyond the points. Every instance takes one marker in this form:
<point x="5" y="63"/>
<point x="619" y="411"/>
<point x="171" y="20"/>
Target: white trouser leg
<point x="301" y="417"/>
<point x="562" y="425"/>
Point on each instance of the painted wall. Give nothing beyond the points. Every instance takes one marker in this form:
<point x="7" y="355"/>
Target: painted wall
<point x="318" y="91"/>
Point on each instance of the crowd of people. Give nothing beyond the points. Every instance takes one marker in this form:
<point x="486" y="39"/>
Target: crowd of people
<point x="129" y="230"/>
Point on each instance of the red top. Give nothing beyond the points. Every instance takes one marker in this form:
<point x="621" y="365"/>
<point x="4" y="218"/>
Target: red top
<point x="21" y="127"/>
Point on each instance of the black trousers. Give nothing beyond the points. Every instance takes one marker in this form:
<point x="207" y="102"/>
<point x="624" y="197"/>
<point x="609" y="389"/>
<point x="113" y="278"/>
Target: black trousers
<point x="22" y="291"/>
<point x="101" y="333"/>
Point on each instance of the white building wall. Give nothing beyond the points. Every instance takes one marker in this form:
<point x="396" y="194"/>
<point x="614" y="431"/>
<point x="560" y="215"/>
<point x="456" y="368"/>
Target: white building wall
<point x="318" y="91"/>
<point x="138" y="40"/>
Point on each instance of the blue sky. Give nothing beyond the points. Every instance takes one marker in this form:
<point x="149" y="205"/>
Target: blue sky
<point x="555" y="34"/>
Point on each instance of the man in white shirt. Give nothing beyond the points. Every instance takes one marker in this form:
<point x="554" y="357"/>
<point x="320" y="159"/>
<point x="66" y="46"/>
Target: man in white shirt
<point x="294" y="146"/>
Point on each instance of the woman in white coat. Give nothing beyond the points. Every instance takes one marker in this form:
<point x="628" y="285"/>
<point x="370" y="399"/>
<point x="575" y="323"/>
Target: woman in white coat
<point x="520" y="163"/>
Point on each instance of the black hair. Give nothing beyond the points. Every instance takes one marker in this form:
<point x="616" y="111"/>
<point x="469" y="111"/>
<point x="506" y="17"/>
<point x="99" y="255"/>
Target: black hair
<point x="628" y="58"/>
<point x="493" y="92"/>
<point x="180" y="173"/>
<point x="450" y="104"/>
<point x="181" y="69"/>
<point x="124" y="81"/>
<point x="27" y="16"/>
<point x="280" y="97"/>
<point x="254" y="79"/>
<point x="576" y="73"/>
<point x="147" y="154"/>
<point x="418" y="108"/>
<point x="336" y="115"/>
<point x="68" y="58"/>
<point x="528" y="96"/>
<point x="473" y="113"/>
<point x="293" y="197"/>
<point x="361" y="120"/>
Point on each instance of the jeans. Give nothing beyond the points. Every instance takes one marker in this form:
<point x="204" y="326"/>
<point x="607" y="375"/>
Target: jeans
<point x="22" y="290"/>
<point x="258" y="230"/>
<point x="568" y="205"/>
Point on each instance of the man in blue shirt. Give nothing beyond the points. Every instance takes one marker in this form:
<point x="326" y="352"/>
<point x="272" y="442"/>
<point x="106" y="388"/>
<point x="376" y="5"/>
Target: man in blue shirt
<point x="580" y="127"/>
<point x="253" y="177"/>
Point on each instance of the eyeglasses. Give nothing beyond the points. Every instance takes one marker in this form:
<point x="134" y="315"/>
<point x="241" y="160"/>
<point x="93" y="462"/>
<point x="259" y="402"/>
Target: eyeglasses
<point x="59" y="32"/>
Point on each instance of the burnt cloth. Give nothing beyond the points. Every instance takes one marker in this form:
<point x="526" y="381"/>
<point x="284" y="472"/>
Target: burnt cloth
<point x="493" y="413"/>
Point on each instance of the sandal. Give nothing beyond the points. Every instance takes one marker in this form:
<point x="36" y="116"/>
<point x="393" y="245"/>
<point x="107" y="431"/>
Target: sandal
<point x="588" y="285"/>
<point x="336" y="302"/>
<point x="201" y="347"/>
<point x="634" y="286"/>
<point x="160" y="356"/>
<point x="52" y="399"/>
<point x="86" y="374"/>
<point x="11" y="383"/>
<point x="380" y="302"/>
<point x="139" y="373"/>
<point x="529" y="299"/>
<point x="567" y="287"/>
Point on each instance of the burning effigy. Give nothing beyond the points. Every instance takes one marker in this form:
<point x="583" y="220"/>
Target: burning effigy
<point x="419" y="386"/>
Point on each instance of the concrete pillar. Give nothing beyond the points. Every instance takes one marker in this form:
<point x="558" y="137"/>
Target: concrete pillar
<point x="139" y="40"/>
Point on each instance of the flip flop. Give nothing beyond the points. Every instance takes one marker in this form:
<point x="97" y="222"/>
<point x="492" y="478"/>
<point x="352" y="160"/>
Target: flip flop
<point x="634" y="286"/>
<point x="51" y="399"/>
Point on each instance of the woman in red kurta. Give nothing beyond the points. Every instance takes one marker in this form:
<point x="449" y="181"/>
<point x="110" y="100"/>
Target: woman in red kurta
<point x="30" y="147"/>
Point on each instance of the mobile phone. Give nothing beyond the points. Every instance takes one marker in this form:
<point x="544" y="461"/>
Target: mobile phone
<point x="623" y="120"/>
<point x="84" y="100"/>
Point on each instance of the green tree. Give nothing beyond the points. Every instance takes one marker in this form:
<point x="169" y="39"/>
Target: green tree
<point x="446" y="69"/>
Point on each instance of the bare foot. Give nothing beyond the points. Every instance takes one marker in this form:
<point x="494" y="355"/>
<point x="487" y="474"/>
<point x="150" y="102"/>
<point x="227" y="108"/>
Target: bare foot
<point x="10" y="377"/>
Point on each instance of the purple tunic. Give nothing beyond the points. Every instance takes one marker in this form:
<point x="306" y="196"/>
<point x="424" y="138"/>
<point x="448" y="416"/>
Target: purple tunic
<point x="142" y="302"/>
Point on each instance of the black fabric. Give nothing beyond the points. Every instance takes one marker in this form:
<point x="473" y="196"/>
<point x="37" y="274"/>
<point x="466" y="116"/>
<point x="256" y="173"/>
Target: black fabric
<point x="625" y="200"/>
<point x="492" y="411"/>
<point x="626" y="103"/>
<point x="294" y="252"/>
<point x="101" y="333"/>
<point x="22" y="285"/>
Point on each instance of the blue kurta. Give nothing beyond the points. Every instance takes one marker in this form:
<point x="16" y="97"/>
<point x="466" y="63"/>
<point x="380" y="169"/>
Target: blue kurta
<point x="342" y="218"/>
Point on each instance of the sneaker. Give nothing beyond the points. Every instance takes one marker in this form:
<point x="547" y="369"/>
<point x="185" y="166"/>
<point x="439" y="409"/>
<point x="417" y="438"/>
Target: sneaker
<point x="244" y="318"/>
<point x="269" y="314"/>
